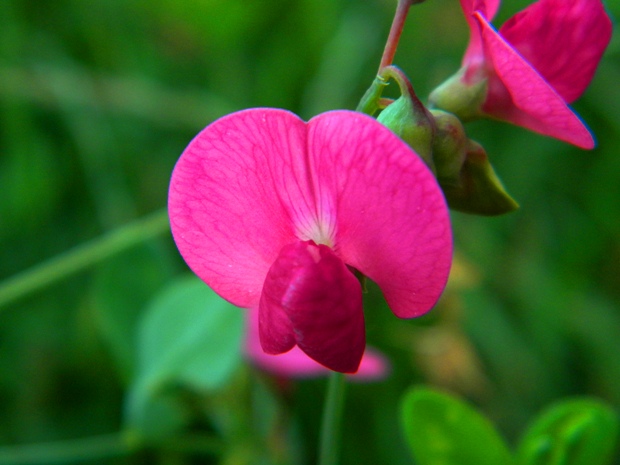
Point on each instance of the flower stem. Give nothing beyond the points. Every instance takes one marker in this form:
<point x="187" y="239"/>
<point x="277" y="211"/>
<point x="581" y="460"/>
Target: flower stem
<point x="406" y="89"/>
<point x="105" y="446"/>
<point x="369" y="103"/>
<point x="76" y="450"/>
<point x="83" y="256"/>
<point x="332" y="418"/>
<point x="395" y="31"/>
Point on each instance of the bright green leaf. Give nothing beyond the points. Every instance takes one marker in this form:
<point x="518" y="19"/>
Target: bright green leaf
<point x="573" y="432"/>
<point x="187" y="337"/>
<point x="442" y="430"/>
<point x="191" y="336"/>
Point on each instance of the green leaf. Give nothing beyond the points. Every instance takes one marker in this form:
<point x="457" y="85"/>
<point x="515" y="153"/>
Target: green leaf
<point x="573" y="432"/>
<point x="187" y="337"/>
<point x="123" y="286"/>
<point x="442" y="430"/>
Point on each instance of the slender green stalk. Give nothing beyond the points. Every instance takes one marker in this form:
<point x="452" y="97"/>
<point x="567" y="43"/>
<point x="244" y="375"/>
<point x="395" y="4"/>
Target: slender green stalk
<point x="369" y="103"/>
<point x="404" y="84"/>
<point x="104" y="447"/>
<point x="82" y="257"/>
<point x="332" y="419"/>
<point x="82" y="88"/>
<point x="76" y="450"/>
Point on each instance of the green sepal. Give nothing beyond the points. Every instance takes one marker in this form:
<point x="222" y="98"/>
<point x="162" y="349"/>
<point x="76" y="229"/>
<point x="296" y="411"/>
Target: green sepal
<point x="408" y="118"/>
<point x="459" y="98"/>
<point x="449" y="146"/>
<point x="442" y="430"/>
<point x="414" y="128"/>
<point x="478" y="189"/>
<point x="190" y="338"/>
<point x="573" y="432"/>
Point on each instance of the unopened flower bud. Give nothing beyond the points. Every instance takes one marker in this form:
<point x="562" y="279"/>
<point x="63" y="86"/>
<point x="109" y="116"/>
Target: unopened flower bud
<point x="449" y="146"/>
<point x="407" y="117"/>
<point x="479" y="190"/>
<point x="412" y="125"/>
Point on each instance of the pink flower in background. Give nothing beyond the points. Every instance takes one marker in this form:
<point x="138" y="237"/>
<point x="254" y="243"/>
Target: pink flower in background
<point x="276" y="213"/>
<point x="542" y="59"/>
<point x="296" y="364"/>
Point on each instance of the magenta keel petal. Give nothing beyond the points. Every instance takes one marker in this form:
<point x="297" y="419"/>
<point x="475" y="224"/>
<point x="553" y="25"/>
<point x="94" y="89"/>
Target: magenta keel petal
<point x="274" y="326"/>
<point x="323" y="301"/>
<point x="296" y="364"/>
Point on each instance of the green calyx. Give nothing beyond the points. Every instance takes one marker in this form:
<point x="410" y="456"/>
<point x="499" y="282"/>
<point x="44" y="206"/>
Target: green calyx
<point x="449" y="146"/>
<point x="461" y="165"/>
<point x="460" y="98"/>
<point x="477" y="190"/>
<point x="408" y="118"/>
<point x="417" y="132"/>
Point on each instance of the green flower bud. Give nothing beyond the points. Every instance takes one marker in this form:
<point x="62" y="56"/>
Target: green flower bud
<point x="449" y="146"/>
<point x="479" y="190"/>
<point x="412" y="125"/>
<point x="457" y="97"/>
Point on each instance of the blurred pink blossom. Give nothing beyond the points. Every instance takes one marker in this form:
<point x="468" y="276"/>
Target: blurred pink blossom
<point x="276" y="213"/>
<point x="542" y="59"/>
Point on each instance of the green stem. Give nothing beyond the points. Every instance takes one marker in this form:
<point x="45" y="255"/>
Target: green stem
<point x="405" y="87"/>
<point x="369" y="103"/>
<point x="76" y="450"/>
<point x="332" y="418"/>
<point x="104" y="447"/>
<point x="82" y="256"/>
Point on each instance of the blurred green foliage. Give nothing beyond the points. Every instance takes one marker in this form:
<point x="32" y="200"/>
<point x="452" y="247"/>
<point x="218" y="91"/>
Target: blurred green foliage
<point x="98" y="99"/>
<point x="444" y="430"/>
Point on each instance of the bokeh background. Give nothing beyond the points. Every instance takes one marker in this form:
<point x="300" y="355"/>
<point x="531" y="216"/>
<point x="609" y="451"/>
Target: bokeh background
<point x="97" y="100"/>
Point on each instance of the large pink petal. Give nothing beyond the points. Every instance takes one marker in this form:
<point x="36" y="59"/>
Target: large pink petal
<point x="259" y="179"/>
<point x="563" y="40"/>
<point x="392" y="221"/>
<point x="233" y="194"/>
<point x="296" y="364"/>
<point x="520" y="95"/>
<point x="323" y="301"/>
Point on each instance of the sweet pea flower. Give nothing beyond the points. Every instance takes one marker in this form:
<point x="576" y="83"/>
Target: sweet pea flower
<point x="276" y="213"/>
<point x="296" y="364"/>
<point x="542" y="59"/>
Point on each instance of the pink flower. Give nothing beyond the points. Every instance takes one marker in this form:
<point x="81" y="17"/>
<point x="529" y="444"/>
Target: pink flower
<point x="276" y="213"/>
<point x="542" y="59"/>
<point x="296" y="364"/>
